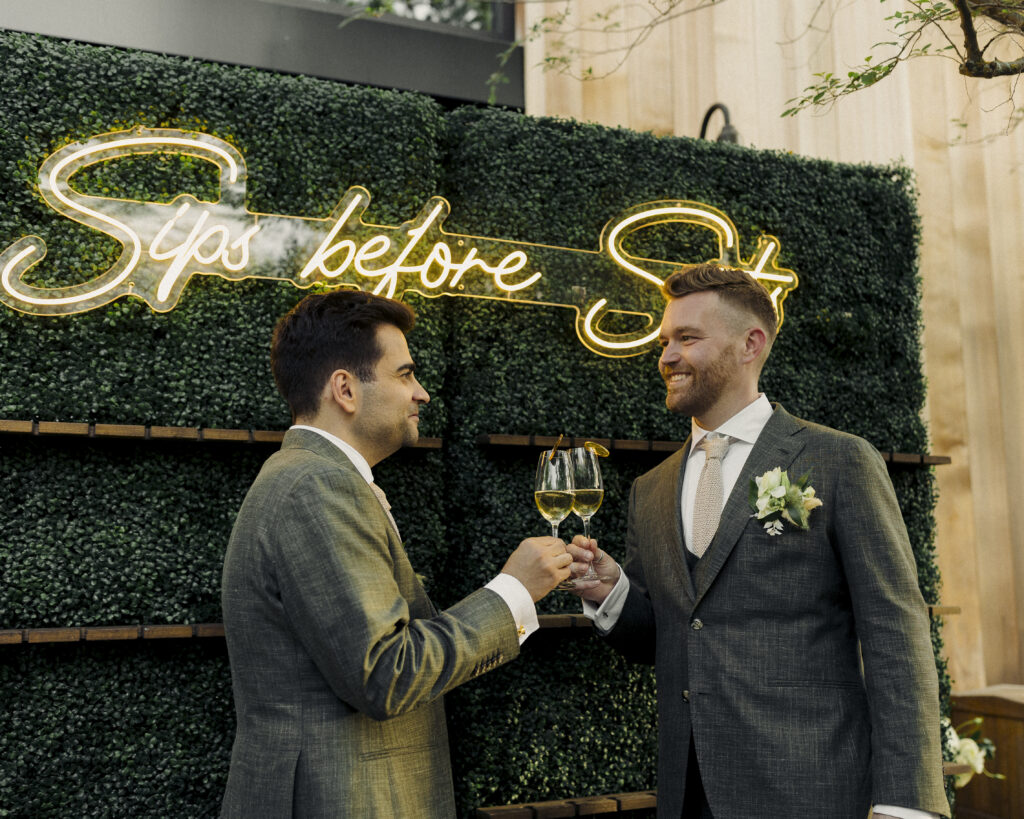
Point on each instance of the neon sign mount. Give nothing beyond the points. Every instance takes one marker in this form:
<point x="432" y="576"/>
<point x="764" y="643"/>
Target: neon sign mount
<point x="165" y="244"/>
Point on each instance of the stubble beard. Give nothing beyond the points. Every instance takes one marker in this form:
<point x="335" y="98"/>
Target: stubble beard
<point x="411" y="433"/>
<point x="706" y="387"/>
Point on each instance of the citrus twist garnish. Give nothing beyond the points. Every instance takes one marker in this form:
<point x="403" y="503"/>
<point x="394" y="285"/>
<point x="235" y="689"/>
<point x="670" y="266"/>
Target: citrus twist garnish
<point x="551" y="454"/>
<point x="597" y="449"/>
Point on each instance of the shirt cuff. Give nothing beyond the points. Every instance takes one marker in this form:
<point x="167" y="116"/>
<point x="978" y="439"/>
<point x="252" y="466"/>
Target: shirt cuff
<point x="906" y="813"/>
<point x="519" y="602"/>
<point x="607" y="614"/>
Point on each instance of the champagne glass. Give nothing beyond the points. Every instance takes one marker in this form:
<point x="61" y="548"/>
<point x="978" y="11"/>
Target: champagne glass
<point x="588" y="492"/>
<point x="552" y="489"/>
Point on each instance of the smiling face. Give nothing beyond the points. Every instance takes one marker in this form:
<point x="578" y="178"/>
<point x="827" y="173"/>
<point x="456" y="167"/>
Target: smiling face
<point x="389" y="406"/>
<point x="705" y="359"/>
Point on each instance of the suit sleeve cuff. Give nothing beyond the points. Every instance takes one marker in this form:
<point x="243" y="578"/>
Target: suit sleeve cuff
<point x="906" y="813"/>
<point x="519" y="602"/>
<point x="607" y="614"/>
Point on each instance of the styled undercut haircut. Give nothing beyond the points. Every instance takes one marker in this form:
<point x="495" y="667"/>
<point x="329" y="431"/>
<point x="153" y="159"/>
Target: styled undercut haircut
<point x="327" y="332"/>
<point x="736" y="287"/>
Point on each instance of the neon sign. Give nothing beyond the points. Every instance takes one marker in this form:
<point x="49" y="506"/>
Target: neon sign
<point x="165" y="244"/>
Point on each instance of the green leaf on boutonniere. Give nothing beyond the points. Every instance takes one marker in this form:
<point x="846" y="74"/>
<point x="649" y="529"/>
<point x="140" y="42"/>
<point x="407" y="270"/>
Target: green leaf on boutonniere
<point x="774" y="499"/>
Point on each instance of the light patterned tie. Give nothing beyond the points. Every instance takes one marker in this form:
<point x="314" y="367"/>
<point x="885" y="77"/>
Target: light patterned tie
<point x="707" y="505"/>
<point x="387" y="506"/>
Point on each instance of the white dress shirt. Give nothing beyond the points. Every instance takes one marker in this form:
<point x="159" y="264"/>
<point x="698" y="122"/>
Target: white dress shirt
<point x="744" y="428"/>
<point x="507" y="587"/>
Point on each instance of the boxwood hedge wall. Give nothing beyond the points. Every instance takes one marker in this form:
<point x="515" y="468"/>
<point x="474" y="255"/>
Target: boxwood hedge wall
<point x="102" y="533"/>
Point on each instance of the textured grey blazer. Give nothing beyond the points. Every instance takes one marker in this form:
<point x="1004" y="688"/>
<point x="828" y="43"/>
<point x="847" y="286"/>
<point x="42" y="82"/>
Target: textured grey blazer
<point x="757" y="655"/>
<point x="338" y="659"/>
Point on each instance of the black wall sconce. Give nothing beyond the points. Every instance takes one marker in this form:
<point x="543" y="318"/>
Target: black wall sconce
<point x="728" y="133"/>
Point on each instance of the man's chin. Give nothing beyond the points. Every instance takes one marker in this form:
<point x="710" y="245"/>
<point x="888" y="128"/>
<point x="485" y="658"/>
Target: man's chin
<point x="678" y="405"/>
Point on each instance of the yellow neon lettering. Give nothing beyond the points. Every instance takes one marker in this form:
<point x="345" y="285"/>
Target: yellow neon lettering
<point x="373" y="249"/>
<point x="441" y="255"/>
<point x="470" y="261"/>
<point x="588" y="328"/>
<point x="389" y="274"/>
<point x="417" y="255"/>
<point x="10" y="267"/>
<point x="326" y="250"/>
<point x="513" y="263"/>
<point x="243" y="243"/>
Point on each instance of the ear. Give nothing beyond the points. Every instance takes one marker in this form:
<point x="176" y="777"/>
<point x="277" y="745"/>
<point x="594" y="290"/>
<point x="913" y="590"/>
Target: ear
<point x="343" y="389"/>
<point x="753" y="344"/>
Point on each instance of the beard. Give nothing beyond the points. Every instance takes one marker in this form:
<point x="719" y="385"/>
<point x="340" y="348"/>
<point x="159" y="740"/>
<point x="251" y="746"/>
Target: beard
<point x="412" y="433"/>
<point x="706" y="387"/>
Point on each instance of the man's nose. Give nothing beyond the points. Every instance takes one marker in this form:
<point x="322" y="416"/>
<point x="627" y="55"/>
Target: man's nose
<point x="669" y="356"/>
<point x="421" y="396"/>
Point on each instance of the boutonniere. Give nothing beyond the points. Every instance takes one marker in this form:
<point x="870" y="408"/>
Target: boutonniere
<point x="775" y="498"/>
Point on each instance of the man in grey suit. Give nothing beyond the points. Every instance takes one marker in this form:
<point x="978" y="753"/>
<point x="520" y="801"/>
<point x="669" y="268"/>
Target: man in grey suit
<point x="756" y="626"/>
<point x="339" y="661"/>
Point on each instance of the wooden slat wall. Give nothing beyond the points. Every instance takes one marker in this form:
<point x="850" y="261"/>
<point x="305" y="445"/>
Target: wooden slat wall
<point x="753" y="56"/>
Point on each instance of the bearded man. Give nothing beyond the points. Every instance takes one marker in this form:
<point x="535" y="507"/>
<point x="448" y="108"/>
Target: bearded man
<point x="757" y="618"/>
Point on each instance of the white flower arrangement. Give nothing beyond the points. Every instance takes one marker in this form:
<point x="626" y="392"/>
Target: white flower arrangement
<point x="775" y="498"/>
<point x="970" y="750"/>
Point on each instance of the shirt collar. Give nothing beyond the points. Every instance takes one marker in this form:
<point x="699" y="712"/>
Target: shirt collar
<point x="745" y="425"/>
<point x="353" y="454"/>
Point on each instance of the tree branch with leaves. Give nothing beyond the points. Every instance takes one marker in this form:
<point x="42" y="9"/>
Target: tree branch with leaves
<point x="926" y="28"/>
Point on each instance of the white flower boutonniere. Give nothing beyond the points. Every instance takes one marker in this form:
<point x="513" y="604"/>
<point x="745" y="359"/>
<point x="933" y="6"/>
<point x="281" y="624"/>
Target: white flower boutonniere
<point x="774" y="498"/>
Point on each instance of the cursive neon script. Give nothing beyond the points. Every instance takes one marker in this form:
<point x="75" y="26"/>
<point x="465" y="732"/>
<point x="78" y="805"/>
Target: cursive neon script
<point x="165" y="244"/>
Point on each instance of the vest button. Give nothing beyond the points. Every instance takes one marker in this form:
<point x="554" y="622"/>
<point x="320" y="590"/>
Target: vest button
<point x="686" y="695"/>
<point x="697" y="624"/>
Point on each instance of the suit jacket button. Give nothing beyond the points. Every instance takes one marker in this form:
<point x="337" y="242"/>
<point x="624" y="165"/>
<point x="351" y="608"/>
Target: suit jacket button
<point x="686" y="695"/>
<point x="697" y="624"/>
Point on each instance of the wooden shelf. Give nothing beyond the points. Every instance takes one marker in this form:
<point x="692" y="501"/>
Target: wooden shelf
<point x="634" y="445"/>
<point x="547" y="441"/>
<point x="145" y="432"/>
<point x="91" y="634"/>
<point x="564" y="621"/>
<point x="184" y="631"/>
<point x="156" y="433"/>
<point x="574" y="806"/>
<point x="606" y="804"/>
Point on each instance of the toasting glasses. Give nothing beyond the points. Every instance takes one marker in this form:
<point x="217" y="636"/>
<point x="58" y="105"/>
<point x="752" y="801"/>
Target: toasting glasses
<point x="570" y="481"/>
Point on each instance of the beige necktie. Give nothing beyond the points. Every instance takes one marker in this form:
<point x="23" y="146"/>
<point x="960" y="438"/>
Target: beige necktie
<point x="707" y="505"/>
<point x="387" y="506"/>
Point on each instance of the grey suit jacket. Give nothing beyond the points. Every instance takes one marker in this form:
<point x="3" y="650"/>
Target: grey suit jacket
<point x="338" y="659"/>
<point x="757" y="655"/>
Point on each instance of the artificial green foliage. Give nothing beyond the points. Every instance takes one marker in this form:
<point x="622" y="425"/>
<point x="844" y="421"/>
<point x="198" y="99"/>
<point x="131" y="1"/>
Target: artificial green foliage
<point x="104" y="533"/>
<point x="122" y="532"/>
<point x="115" y="730"/>
<point x="560" y="724"/>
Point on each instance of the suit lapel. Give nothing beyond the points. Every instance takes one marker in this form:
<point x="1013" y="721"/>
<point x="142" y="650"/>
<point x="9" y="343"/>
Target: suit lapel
<point x="669" y="499"/>
<point x="776" y="446"/>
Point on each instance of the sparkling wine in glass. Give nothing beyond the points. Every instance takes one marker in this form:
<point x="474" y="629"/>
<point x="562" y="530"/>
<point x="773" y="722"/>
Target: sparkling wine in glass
<point x="588" y="492"/>
<point x="552" y="489"/>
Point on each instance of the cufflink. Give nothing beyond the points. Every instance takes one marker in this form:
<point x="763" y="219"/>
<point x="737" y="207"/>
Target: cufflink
<point x="521" y="630"/>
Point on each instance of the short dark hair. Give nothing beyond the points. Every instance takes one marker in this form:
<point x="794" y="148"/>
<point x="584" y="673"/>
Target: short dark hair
<point x="736" y="287"/>
<point x="327" y="332"/>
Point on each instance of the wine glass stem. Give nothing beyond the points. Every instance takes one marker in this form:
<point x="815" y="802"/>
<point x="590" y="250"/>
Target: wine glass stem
<point x="586" y="527"/>
<point x="554" y="530"/>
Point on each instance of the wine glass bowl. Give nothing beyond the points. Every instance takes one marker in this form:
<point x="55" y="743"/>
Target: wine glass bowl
<point x="553" y="487"/>
<point x="588" y="492"/>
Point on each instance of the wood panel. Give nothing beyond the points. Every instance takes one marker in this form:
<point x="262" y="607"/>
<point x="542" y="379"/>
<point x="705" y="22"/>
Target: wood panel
<point x="1002" y="709"/>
